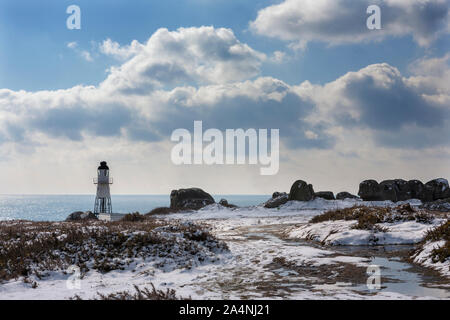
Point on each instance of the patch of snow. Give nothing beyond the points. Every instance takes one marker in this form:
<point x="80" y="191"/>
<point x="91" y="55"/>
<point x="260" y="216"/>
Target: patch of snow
<point x="424" y="257"/>
<point x="340" y="232"/>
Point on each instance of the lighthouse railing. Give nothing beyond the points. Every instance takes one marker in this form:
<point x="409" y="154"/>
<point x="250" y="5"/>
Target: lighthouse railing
<point x="103" y="180"/>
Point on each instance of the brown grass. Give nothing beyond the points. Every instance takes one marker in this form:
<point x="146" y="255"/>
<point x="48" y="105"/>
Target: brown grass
<point x="34" y="248"/>
<point x="368" y="217"/>
<point x="133" y="217"/>
<point x="141" y="294"/>
<point x="437" y="234"/>
<point x="164" y="210"/>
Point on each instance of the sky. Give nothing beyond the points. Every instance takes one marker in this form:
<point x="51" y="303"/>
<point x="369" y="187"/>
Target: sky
<point x="350" y="103"/>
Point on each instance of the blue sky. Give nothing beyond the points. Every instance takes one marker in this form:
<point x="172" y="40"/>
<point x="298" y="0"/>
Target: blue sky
<point x="350" y="103"/>
<point x="34" y="34"/>
<point x="34" y="37"/>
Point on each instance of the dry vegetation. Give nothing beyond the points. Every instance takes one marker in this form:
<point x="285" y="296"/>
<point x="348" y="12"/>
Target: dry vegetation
<point x="325" y="273"/>
<point x="35" y="248"/>
<point x="164" y="210"/>
<point x="139" y="294"/>
<point x="437" y="234"/>
<point x="369" y="217"/>
<point x="133" y="217"/>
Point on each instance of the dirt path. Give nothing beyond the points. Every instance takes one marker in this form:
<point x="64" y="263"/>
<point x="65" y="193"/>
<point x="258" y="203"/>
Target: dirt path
<point x="263" y="264"/>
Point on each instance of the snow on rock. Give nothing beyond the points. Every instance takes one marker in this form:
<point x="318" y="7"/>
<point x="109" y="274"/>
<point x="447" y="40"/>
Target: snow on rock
<point x="306" y="209"/>
<point x="340" y="232"/>
<point x="424" y="257"/>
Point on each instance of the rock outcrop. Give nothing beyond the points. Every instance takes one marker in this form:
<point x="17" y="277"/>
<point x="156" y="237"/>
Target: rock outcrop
<point x="389" y="190"/>
<point x="81" y="216"/>
<point x="327" y="195"/>
<point x="418" y="191"/>
<point x="276" y="194"/>
<point x="301" y="191"/>
<point x="438" y="188"/>
<point x="442" y="205"/>
<point x="192" y="198"/>
<point x="345" y="195"/>
<point x="370" y="190"/>
<point x="278" y="199"/>
<point x="404" y="191"/>
<point x="401" y="190"/>
<point x="224" y="203"/>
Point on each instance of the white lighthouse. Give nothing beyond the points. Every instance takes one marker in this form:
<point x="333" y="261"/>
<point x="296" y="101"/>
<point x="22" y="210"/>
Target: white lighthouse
<point x="103" y="198"/>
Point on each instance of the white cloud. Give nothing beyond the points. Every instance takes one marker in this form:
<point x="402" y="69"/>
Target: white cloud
<point x="112" y="48"/>
<point x="72" y="45"/>
<point x="278" y="57"/>
<point x="396" y="111"/>
<point x="86" y="56"/>
<point x="374" y="114"/>
<point x="344" y="21"/>
<point x="189" y="55"/>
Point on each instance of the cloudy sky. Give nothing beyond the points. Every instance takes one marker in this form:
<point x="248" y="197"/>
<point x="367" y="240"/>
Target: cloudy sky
<point x="350" y="103"/>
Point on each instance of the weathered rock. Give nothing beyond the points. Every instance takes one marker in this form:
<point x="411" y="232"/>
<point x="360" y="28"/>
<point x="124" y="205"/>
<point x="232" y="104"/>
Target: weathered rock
<point x="133" y="217"/>
<point x="164" y="210"/>
<point x="192" y="198"/>
<point x="224" y="202"/>
<point x="301" y="191"/>
<point x="439" y="188"/>
<point x="389" y="190"/>
<point x="401" y="190"/>
<point x="276" y="194"/>
<point x="442" y="205"/>
<point x="275" y="202"/>
<point x="327" y="195"/>
<point x="418" y="191"/>
<point x="404" y="191"/>
<point x="370" y="190"/>
<point x="345" y="195"/>
<point x="81" y="216"/>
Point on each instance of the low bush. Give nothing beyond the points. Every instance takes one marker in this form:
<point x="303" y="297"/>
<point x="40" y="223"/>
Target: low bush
<point x="34" y="248"/>
<point x="438" y="234"/>
<point x="163" y="210"/>
<point x="133" y="217"/>
<point x="141" y="294"/>
<point x="368" y="217"/>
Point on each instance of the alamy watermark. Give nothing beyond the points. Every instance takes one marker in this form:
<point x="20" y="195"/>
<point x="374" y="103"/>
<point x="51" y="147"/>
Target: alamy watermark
<point x="374" y="279"/>
<point x="74" y="280"/>
<point x="374" y="20"/>
<point x="231" y="150"/>
<point x="74" y="20"/>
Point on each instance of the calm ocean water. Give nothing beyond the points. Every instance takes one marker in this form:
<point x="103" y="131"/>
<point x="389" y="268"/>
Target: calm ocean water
<point x="58" y="207"/>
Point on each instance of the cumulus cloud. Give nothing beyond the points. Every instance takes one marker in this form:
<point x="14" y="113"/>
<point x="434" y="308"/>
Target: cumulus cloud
<point x="431" y="76"/>
<point x="398" y="112"/>
<point x="206" y="74"/>
<point x="114" y="49"/>
<point x="175" y="78"/>
<point x="86" y="55"/>
<point x="278" y="57"/>
<point x="72" y="45"/>
<point x="344" y="21"/>
<point x="202" y="55"/>
<point x="262" y="103"/>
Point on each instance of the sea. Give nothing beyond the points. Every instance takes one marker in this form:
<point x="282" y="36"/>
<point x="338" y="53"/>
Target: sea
<point x="58" y="207"/>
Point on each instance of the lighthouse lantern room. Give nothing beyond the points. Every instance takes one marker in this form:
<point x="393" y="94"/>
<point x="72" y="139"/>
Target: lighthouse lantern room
<point x="103" y="198"/>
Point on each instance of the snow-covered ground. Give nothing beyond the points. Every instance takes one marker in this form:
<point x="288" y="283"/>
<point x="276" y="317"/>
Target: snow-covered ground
<point x="266" y="259"/>
<point x="341" y="233"/>
<point x="423" y="257"/>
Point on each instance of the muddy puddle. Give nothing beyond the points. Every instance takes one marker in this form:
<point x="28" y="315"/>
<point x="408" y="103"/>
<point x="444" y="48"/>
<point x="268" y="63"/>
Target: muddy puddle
<point x="398" y="274"/>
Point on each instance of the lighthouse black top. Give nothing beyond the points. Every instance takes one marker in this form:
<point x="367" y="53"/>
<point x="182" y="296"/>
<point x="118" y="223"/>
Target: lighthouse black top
<point x="103" y="166"/>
